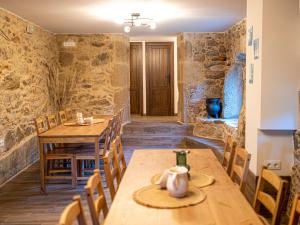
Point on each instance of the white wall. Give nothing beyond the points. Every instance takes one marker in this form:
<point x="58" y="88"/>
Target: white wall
<point x="280" y="60"/>
<point x="253" y="91"/>
<point x="271" y="101"/>
<point x="145" y="39"/>
<point x="276" y="145"/>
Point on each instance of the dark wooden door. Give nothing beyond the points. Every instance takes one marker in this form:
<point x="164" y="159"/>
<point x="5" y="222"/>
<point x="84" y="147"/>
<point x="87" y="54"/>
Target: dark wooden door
<point x="136" y="77"/>
<point x="160" y="79"/>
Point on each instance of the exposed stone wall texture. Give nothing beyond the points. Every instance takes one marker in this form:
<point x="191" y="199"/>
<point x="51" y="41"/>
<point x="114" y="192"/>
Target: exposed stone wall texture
<point x="233" y="91"/>
<point x="217" y="129"/>
<point x="295" y="176"/>
<point x="201" y="71"/>
<point x="102" y="62"/>
<point x="23" y="90"/>
<point x="203" y="61"/>
<point x="235" y="40"/>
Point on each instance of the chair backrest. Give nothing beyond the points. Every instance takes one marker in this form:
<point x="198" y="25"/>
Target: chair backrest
<point x="117" y="149"/>
<point x="120" y="121"/>
<point x="40" y="125"/>
<point x="69" y="113"/>
<point x="240" y="166"/>
<point x="115" y="126"/>
<point x="295" y="211"/>
<point x="51" y="121"/>
<point x="62" y="116"/>
<point x="97" y="204"/>
<point x="229" y="152"/>
<point x="266" y="199"/>
<point x="109" y="135"/>
<point x="111" y="172"/>
<point x="73" y="212"/>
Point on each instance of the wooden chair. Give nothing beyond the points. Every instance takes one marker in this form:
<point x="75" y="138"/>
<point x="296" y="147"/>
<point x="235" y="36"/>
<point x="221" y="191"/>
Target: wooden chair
<point x="89" y="153"/>
<point x="74" y="211"/>
<point x="272" y="205"/>
<point x="240" y="166"/>
<point x="121" y="117"/>
<point x="295" y="211"/>
<point x="111" y="171"/>
<point x="99" y="204"/>
<point x="40" y="125"/>
<point x="62" y="116"/>
<point x="117" y="149"/>
<point x="229" y="152"/>
<point x="109" y="134"/>
<point x="51" y="121"/>
<point x="54" y="155"/>
<point x="69" y="113"/>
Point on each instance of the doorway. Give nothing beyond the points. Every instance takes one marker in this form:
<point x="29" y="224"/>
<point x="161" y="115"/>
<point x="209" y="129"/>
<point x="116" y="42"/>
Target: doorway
<point x="160" y="78"/>
<point x="152" y="78"/>
<point x="136" y="78"/>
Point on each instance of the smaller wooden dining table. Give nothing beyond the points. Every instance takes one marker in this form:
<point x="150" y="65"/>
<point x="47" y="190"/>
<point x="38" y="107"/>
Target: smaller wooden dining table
<point x="64" y="134"/>
<point x="224" y="203"/>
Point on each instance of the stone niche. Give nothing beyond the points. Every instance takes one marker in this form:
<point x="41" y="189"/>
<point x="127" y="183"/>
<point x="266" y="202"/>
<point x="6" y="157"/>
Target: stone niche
<point x="233" y="89"/>
<point x="204" y="62"/>
<point x="201" y="72"/>
<point x="102" y="63"/>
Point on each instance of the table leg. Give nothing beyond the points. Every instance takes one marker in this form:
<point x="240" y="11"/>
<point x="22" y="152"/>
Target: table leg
<point x="97" y="153"/>
<point x="42" y="167"/>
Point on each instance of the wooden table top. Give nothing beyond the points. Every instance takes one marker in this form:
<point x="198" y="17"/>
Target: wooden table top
<point x="224" y="204"/>
<point x="62" y="131"/>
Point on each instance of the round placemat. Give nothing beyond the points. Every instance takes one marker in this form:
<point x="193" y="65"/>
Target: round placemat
<point x="153" y="196"/>
<point x="199" y="180"/>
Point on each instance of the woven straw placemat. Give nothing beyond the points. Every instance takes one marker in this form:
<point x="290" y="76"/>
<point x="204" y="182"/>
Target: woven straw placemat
<point x="153" y="196"/>
<point x="199" y="180"/>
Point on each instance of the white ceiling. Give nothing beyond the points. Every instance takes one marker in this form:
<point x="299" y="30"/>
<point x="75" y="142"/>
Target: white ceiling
<point x="98" y="16"/>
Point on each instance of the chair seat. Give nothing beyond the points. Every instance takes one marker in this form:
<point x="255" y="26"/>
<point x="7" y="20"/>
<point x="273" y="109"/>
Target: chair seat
<point x="87" y="154"/>
<point x="59" y="154"/>
<point x="263" y="220"/>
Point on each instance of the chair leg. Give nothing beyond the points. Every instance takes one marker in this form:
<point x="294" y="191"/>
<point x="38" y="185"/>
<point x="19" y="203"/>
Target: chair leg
<point x="74" y="172"/>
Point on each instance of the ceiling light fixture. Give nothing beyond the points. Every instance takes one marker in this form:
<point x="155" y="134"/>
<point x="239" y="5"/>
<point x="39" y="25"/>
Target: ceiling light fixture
<point x="136" y="21"/>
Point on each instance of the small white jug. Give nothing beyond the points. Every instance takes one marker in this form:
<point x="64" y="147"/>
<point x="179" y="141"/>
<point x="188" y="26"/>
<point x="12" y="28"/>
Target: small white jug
<point x="177" y="183"/>
<point x="162" y="181"/>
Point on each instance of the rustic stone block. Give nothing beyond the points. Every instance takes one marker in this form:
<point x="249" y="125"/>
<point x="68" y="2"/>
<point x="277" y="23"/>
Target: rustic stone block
<point x="11" y="81"/>
<point x="215" y="74"/>
<point x="66" y="58"/>
<point x="101" y="59"/>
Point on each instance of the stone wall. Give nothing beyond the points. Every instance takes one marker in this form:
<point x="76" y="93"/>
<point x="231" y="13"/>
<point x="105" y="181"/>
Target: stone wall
<point x="235" y="39"/>
<point x="23" y="90"/>
<point x="203" y="62"/>
<point x="295" y="176"/>
<point x="201" y="71"/>
<point x="102" y="62"/>
<point x="102" y="65"/>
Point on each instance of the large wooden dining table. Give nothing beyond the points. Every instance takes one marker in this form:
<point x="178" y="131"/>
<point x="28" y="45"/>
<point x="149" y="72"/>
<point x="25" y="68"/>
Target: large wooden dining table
<point x="224" y="203"/>
<point x="64" y="134"/>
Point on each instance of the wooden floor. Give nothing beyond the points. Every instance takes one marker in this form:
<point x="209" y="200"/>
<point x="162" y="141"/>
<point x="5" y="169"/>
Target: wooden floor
<point x="22" y="203"/>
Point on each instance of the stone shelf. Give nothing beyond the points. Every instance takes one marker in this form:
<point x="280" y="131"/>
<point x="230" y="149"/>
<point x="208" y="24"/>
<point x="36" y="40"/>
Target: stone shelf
<point x="215" y="128"/>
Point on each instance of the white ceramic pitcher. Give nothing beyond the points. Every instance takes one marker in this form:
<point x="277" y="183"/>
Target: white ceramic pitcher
<point x="177" y="183"/>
